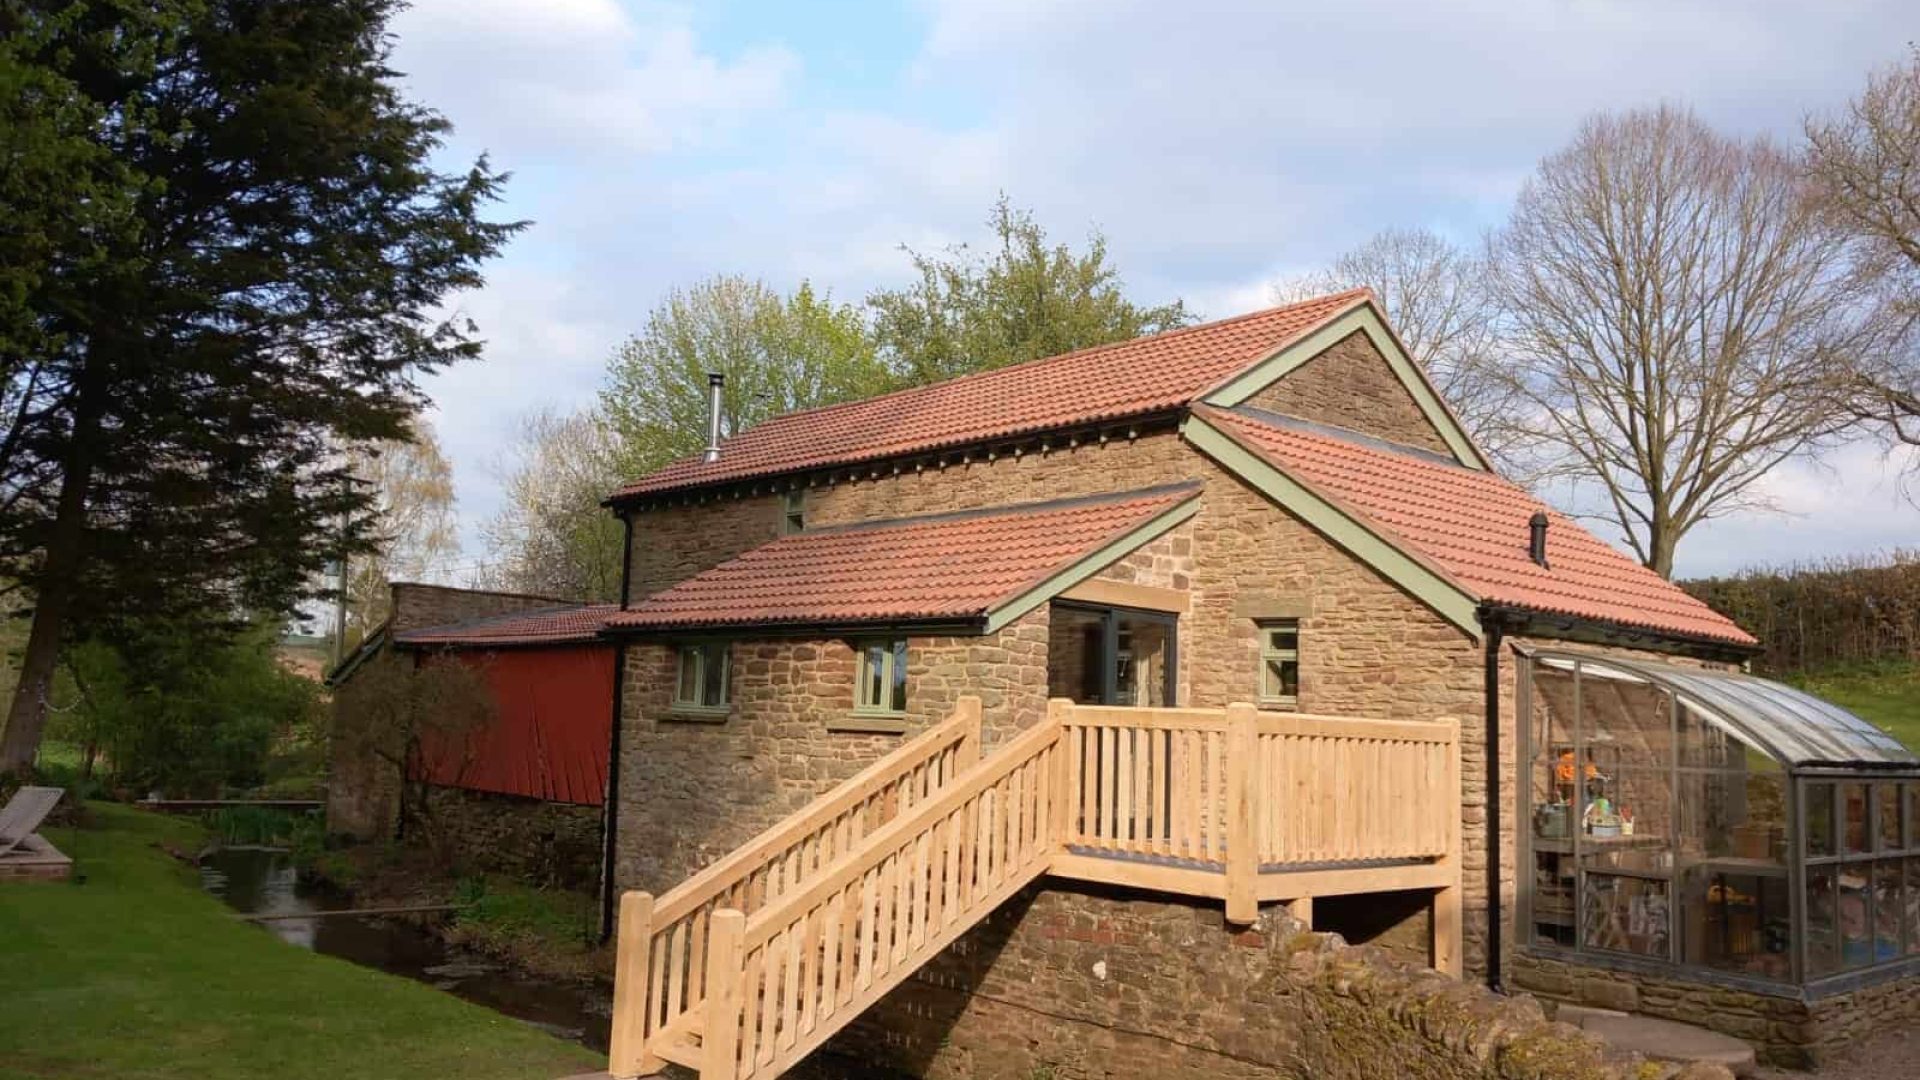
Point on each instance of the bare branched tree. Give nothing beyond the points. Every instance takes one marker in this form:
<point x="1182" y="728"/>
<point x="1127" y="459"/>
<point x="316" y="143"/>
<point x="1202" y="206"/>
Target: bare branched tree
<point x="1864" y="165"/>
<point x="552" y="537"/>
<point x="1437" y="300"/>
<point x="412" y="532"/>
<point x="1674" y="307"/>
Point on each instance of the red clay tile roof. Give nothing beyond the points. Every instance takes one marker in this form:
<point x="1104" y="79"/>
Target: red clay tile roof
<point x="948" y="567"/>
<point x="562" y="625"/>
<point x="1472" y="527"/>
<point x="1110" y="382"/>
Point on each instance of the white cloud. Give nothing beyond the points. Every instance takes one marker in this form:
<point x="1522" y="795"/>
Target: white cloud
<point x="1218" y="145"/>
<point x="585" y="76"/>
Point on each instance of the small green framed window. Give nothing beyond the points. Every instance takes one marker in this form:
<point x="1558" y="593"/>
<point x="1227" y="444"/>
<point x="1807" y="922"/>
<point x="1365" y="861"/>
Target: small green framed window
<point x="1280" y="663"/>
<point x="702" y="682"/>
<point x="796" y="512"/>
<point x="882" y="686"/>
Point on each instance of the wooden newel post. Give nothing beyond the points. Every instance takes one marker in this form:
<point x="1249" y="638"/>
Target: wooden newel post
<point x="1065" y="795"/>
<point x="968" y="709"/>
<point x="627" y="1054"/>
<point x="726" y="971"/>
<point x="1448" y="921"/>
<point x="1243" y="858"/>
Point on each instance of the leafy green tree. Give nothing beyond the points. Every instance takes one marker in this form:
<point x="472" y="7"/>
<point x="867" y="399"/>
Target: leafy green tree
<point x="1021" y="300"/>
<point x="779" y="353"/>
<point x="240" y="252"/>
<point x="166" y="712"/>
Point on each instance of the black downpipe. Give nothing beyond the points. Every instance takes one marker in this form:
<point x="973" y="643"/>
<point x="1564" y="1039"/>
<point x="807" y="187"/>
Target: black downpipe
<point x="610" y="823"/>
<point x="610" y="815"/>
<point x="1495" y="632"/>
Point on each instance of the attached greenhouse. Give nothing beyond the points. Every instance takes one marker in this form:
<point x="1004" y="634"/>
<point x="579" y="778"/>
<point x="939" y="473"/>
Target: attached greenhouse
<point x="1714" y="823"/>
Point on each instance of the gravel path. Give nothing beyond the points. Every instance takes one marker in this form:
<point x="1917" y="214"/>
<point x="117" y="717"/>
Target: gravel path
<point x="1892" y="1056"/>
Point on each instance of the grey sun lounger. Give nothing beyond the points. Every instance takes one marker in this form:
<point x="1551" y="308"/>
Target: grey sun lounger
<point x="24" y="813"/>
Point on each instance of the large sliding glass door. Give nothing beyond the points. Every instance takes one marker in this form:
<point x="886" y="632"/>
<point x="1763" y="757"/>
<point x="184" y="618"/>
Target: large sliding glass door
<point x="1112" y="655"/>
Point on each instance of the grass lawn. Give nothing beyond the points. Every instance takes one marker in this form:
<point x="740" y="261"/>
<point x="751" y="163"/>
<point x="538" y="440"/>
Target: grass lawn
<point x="137" y="973"/>
<point x="1887" y="695"/>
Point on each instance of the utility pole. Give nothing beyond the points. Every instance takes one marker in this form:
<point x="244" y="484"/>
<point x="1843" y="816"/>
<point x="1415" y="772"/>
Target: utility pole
<point x="340" y="579"/>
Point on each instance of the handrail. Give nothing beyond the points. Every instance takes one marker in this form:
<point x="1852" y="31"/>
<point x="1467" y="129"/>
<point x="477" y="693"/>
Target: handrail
<point x="784" y="976"/>
<point x="661" y="958"/>
<point x="960" y="728"/>
<point x="1016" y="753"/>
<point x="1231" y="803"/>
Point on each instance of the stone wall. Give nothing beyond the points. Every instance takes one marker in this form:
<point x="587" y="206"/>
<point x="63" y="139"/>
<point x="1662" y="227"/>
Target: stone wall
<point x="415" y="606"/>
<point x="1084" y="982"/>
<point x="535" y="841"/>
<point x="1785" y="1028"/>
<point x="1352" y="386"/>
<point x="694" y="787"/>
<point x="673" y="543"/>
<point x="363" y="790"/>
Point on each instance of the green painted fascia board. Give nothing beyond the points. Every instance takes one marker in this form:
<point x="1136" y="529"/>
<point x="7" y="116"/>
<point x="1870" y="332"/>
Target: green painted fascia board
<point x="1385" y="557"/>
<point x="1084" y="568"/>
<point x="1366" y="320"/>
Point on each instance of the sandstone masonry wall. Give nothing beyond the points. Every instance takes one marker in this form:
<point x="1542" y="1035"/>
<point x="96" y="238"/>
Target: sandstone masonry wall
<point x="1083" y="982"/>
<point x="695" y="787"/>
<point x="1351" y="385"/>
<point x="673" y="543"/>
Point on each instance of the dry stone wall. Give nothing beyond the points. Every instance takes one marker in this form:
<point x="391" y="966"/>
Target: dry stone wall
<point x="1785" y="1028"/>
<point x="541" y="843"/>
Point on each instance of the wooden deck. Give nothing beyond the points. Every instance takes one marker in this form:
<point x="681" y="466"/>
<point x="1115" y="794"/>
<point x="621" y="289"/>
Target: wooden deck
<point x="759" y="959"/>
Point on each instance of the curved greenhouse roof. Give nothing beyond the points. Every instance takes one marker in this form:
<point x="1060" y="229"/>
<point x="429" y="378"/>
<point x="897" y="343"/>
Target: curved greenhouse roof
<point x="1792" y="726"/>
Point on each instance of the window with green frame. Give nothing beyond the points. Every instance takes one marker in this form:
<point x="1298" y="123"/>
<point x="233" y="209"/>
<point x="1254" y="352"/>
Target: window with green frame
<point x="882" y="686"/>
<point x="702" y="682"/>
<point x="1280" y="663"/>
<point x="794" y="517"/>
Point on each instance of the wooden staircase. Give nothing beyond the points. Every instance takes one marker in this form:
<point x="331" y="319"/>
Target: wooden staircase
<point x="752" y="964"/>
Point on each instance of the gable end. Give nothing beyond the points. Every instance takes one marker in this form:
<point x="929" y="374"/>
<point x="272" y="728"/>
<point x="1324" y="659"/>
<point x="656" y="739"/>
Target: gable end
<point x="1265" y="380"/>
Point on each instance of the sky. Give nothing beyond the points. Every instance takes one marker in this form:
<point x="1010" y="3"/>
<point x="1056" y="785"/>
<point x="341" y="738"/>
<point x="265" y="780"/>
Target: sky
<point x="1218" y="147"/>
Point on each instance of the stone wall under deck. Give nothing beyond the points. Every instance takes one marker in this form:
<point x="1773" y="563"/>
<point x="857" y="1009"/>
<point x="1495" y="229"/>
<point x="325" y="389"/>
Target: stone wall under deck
<point x="1078" y="982"/>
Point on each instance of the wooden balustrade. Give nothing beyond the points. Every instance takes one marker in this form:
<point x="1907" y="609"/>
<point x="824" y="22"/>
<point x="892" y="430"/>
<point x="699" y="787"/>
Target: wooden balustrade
<point x="824" y="953"/>
<point x="753" y="963"/>
<point x="664" y="943"/>
<point x="1337" y="790"/>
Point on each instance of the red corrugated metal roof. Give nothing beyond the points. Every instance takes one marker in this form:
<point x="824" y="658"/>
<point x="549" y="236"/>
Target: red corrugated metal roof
<point x="938" y="568"/>
<point x="1472" y="527"/>
<point x="539" y="626"/>
<point x="1130" y="378"/>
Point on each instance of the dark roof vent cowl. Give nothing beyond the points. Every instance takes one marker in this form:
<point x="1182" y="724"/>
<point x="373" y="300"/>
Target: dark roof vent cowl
<point x="716" y="385"/>
<point x="1537" y="539"/>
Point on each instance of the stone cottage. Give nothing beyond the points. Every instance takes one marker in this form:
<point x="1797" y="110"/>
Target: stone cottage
<point x="1276" y="509"/>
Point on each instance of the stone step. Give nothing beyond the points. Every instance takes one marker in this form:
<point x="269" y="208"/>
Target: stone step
<point x="1661" y="1040"/>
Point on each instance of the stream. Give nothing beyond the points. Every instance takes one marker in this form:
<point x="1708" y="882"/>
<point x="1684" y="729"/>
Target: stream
<point x="264" y="881"/>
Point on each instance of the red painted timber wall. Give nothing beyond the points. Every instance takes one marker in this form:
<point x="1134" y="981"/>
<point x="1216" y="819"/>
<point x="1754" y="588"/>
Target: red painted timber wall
<point x="549" y="739"/>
